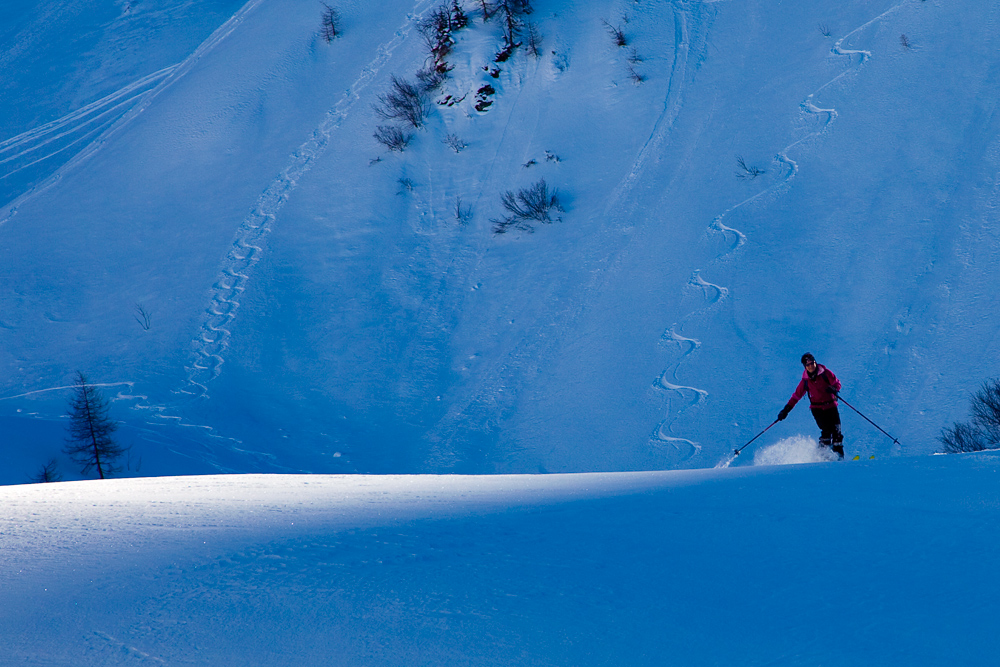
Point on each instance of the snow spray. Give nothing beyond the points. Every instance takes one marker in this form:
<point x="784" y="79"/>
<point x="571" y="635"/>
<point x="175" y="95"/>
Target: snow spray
<point x="796" y="449"/>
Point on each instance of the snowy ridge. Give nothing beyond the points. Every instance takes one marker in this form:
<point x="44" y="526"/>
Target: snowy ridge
<point x="507" y="569"/>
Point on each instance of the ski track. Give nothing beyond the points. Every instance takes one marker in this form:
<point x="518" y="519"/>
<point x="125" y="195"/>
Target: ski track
<point x="126" y="383"/>
<point x="137" y="91"/>
<point x="143" y="92"/>
<point x="107" y="116"/>
<point x="112" y="646"/>
<point x="715" y="294"/>
<point x="169" y="76"/>
<point x="100" y="114"/>
<point x="495" y="387"/>
<point x="209" y="345"/>
<point x="212" y="340"/>
<point x="671" y="109"/>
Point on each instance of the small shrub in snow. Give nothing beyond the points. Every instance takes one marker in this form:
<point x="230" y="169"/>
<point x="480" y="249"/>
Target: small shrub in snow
<point x="984" y="430"/>
<point x="462" y="213"/>
<point x="392" y="137"/>
<point x="488" y="9"/>
<point x="437" y="32"/>
<point x="404" y="102"/>
<point x="747" y="171"/>
<point x="534" y="45"/>
<point x="330" y="28"/>
<point x="904" y="41"/>
<point x="48" y="473"/>
<point x="986" y="410"/>
<point x="617" y="34"/>
<point x="432" y="78"/>
<point x="454" y="143"/>
<point x="961" y="437"/>
<point x="456" y="16"/>
<point x="634" y="75"/>
<point x="824" y="29"/>
<point x="483" y="95"/>
<point x="143" y="316"/>
<point x="527" y="206"/>
<point x="511" y="12"/>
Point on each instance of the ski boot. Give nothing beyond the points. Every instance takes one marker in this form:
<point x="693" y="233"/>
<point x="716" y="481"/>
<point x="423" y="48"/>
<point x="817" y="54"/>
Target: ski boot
<point x="838" y="443"/>
<point x="832" y="443"/>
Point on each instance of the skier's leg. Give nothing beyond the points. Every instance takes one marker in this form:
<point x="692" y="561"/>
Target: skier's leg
<point x="838" y="436"/>
<point x="825" y="437"/>
<point x="828" y="421"/>
<point x="837" y="441"/>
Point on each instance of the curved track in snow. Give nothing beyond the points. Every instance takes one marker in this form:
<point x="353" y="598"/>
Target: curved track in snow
<point x="671" y="107"/>
<point x="714" y="294"/>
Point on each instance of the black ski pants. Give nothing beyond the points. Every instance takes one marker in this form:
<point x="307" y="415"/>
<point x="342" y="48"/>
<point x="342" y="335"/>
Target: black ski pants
<point x="828" y="420"/>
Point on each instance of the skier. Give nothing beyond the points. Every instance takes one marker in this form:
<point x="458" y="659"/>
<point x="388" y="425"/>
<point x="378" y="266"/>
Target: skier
<point x="822" y="386"/>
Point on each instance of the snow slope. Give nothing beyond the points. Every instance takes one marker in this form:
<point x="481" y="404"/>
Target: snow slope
<point x="875" y="563"/>
<point x="316" y="309"/>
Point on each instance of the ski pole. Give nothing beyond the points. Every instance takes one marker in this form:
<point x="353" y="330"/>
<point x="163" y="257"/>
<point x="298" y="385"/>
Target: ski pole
<point x="737" y="452"/>
<point x="841" y="398"/>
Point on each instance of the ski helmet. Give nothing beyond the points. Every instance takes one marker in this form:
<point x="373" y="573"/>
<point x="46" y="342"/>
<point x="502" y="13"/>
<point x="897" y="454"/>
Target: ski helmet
<point x="807" y="357"/>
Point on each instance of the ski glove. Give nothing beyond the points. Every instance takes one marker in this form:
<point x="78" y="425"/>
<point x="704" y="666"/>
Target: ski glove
<point x="784" y="413"/>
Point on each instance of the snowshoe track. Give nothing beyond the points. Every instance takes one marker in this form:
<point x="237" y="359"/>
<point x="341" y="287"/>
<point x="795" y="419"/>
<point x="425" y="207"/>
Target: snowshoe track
<point x="210" y="344"/>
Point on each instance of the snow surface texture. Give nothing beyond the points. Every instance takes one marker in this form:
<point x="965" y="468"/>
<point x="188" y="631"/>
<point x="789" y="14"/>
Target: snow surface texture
<point x="868" y="563"/>
<point x="317" y="307"/>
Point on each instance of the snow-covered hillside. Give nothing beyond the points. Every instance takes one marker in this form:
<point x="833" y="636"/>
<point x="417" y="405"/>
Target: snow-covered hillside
<point x="875" y="563"/>
<point x="316" y="305"/>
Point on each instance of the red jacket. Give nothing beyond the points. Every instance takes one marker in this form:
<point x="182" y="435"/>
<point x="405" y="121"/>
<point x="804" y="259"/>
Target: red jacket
<point x="818" y="388"/>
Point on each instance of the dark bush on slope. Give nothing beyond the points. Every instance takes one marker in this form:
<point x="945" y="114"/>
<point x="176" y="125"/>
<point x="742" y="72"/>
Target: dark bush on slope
<point x="404" y="102"/>
<point x="528" y="205"/>
<point x="512" y="25"/>
<point x="437" y="31"/>
<point x="330" y="28"/>
<point x="983" y="432"/>
<point x="392" y="137"/>
<point x="48" y="473"/>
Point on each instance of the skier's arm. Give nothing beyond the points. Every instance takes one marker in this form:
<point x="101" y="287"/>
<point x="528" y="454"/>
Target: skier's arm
<point x="799" y="392"/>
<point x="833" y="382"/>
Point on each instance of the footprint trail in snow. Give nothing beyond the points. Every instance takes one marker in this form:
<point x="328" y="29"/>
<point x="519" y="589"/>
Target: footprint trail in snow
<point x="210" y="345"/>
